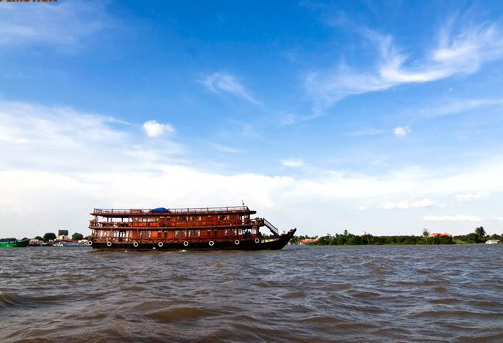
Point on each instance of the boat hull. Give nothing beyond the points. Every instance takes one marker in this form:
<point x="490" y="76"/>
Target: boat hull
<point x="14" y="244"/>
<point x="244" y="244"/>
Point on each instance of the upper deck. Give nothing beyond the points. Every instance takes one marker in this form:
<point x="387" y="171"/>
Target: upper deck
<point x="126" y="213"/>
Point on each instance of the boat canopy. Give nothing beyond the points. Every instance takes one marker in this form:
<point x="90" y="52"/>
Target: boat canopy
<point x="160" y="209"/>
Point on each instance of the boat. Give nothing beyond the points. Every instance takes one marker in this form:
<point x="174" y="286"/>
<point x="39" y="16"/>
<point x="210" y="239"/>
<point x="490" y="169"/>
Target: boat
<point x="69" y="244"/>
<point x="492" y="241"/>
<point x="209" y="228"/>
<point x="13" y="243"/>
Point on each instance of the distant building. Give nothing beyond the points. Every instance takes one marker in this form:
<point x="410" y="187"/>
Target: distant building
<point x="35" y="242"/>
<point x="492" y="241"/>
<point x="436" y="234"/>
<point x="308" y="240"/>
<point x="62" y="235"/>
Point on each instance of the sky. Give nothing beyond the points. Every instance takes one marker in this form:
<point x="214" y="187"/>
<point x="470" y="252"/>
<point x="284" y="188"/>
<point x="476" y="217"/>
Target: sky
<point x="384" y="117"/>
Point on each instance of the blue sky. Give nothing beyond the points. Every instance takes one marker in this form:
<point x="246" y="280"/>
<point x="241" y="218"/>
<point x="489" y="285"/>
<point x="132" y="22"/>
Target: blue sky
<point x="372" y="116"/>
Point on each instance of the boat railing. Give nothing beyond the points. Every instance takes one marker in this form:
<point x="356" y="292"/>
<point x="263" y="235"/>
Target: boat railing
<point x="271" y="227"/>
<point x="200" y="210"/>
<point x="154" y="225"/>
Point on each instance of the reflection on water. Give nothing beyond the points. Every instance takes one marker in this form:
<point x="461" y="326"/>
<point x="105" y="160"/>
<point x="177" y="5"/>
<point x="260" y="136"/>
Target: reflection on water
<point x="299" y="294"/>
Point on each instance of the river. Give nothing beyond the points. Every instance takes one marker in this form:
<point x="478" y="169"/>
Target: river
<point x="299" y="294"/>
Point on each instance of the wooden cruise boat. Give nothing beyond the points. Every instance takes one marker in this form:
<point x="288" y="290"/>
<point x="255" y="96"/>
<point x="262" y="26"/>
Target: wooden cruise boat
<point x="209" y="228"/>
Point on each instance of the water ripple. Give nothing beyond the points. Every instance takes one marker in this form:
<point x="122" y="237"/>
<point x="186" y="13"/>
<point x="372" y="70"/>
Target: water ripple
<point x="299" y="294"/>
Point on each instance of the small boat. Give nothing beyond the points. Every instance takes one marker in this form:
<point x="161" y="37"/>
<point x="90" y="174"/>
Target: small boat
<point x="492" y="241"/>
<point x="13" y="243"/>
<point x="209" y="228"/>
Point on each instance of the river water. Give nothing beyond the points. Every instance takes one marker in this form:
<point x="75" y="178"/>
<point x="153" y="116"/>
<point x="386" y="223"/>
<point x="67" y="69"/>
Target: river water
<point x="299" y="294"/>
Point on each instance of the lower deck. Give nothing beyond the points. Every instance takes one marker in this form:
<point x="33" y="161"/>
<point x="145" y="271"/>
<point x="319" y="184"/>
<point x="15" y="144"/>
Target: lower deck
<point x="132" y="235"/>
<point x="245" y="243"/>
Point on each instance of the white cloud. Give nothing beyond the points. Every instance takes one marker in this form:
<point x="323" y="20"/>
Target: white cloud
<point x="401" y="131"/>
<point x="293" y="162"/>
<point x="60" y="163"/>
<point x="457" y="52"/>
<point x="403" y="205"/>
<point x="154" y="129"/>
<point x="53" y="138"/>
<point x="64" y="23"/>
<point x="456" y="218"/>
<point x="221" y="83"/>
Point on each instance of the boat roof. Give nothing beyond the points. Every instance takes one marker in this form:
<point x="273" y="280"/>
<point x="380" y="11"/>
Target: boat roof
<point x="162" y="211"/>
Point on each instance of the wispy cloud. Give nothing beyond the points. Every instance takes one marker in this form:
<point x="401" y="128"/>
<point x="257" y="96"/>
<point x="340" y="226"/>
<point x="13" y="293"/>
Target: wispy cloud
<point x="227" y="149"/>
<point x="293" y="162"/>
<point x="61" y="24"/>
<point x="224" y="83"/>
<point x="460" y="105"/>
<point x="456" y="51"/>
<point x="367" y="132"/>
<point x="470" y="196"/>
<point x="455" y="218"/>
<point x="404" y="205"/>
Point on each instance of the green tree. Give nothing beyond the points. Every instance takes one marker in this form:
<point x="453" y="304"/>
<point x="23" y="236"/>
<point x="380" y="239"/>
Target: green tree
<point x="39" y="238"/>
<point x="77" y="236"/>
<point x="472" y="238"/>
<point x="49" y="236"/>
<point x="480" y="232"/>
<point x="426" y="233"/>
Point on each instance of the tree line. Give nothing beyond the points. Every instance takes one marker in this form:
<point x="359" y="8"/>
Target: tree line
<point x="50" y="236"/>
<point x="346" y="238"/>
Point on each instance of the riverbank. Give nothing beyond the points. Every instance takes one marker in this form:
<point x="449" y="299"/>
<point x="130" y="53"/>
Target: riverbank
<point x="367" y="239"/>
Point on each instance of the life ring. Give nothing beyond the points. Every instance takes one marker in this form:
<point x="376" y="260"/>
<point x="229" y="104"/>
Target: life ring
<point x="211" y="243"/>
<point x="135" y="244"/>
<point x="257" y="240"/>
<point x="236" y="242"/>
<point x="109" y="244"/>
<point x="89" y="242"/>
<point x="160" y="244"/>
<point x="185" y="244"/>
